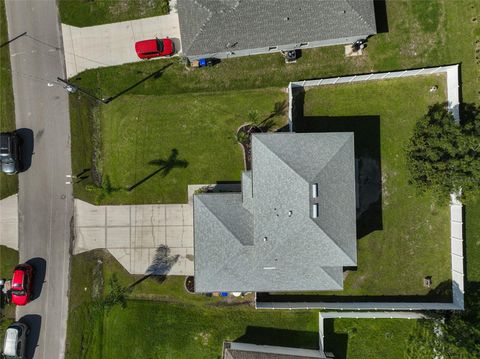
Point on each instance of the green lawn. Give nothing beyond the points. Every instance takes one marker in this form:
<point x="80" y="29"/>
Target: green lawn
<point x="138" y="129"/>
<point x="96" y="12"/>
<point x="175" y="324"/>
<point x="8" y="260"/>
<point x="8" y="184"/>
<point x="368" y="338"/>
<point x="411" y="240"/>
<point x="447" y="35"/>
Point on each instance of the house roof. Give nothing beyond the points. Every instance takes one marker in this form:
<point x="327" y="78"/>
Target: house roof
<point x="211" y="26"/>
<point x="268" y="240"/>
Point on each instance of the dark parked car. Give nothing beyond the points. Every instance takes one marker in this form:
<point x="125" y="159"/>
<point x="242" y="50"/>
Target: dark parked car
<point x="15" y="341"/>
<point x="22" y="284"/>
<point x="10" y="152"/>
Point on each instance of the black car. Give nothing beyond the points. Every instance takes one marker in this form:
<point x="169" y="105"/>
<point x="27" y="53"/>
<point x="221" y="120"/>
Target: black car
<point x="10" y="152"/>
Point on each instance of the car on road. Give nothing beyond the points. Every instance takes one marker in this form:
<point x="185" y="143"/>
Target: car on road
<point x="15" y="341"/>
<point x="10" y="152"/>
<point x="147" y="49"/>
<point x="22" y="284"/>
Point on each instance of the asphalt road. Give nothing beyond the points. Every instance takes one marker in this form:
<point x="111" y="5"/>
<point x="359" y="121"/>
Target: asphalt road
<point x="45" y="201"/>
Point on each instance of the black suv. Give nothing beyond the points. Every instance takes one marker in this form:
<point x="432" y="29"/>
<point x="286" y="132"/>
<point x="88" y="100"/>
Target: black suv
<point x="10" y="152"/>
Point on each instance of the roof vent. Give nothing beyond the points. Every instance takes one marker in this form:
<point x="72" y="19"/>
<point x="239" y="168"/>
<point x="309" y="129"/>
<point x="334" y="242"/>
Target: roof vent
<point x="290" y="213"/>
<point x="265" y="239"/>
<point x="315" y="208"/>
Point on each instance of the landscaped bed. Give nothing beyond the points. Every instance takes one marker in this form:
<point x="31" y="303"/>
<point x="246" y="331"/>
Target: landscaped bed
<point x="404" y="235"/>
<point x="153" y="147"/>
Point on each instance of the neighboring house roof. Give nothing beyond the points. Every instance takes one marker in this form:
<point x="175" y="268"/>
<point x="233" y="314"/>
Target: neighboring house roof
<point x="267" y="239"/>
<point x="236" y="350"/>
<point x="216" y="26"/>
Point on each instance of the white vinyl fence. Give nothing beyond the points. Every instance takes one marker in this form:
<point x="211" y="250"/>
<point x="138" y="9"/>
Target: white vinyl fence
<point x="451" y="71"/>
<point x="456" y="208"/>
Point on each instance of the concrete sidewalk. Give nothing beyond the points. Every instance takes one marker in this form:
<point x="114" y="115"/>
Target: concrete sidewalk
<point x="9" y="222"/>
<point x="114" y="44"/>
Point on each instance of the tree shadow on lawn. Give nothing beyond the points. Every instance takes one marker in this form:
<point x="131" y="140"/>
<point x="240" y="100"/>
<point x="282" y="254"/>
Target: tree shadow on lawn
<point x="165" y="167"/>
<point x="368" y="170"/>
<point x="280" y="337"/>
<point x="440" y="294"/>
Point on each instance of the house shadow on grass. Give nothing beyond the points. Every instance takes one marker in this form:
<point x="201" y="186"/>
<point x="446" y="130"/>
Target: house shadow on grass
<point x="368" y="172"/>
<point x="440" y="294"/>
<point x="336" y="343"/>
<point x="280" y="337"/>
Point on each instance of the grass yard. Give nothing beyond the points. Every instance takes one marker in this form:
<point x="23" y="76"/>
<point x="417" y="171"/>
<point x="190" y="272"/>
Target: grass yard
<point x="8" y="260"/>
<point x="8" y="184"/>
<point x="174" y="324"/>
<point x="409" y="238"/>
<point x="368" y="338"/>
<point x="96" y="12"/>
<point x="447" y="35"/>
<point x="199" y="127"/>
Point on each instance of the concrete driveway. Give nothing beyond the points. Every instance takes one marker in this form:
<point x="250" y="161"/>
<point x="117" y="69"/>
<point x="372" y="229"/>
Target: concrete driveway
<point x="135" y="235"/>
<point x="9" y="222"/>
<point x="114" y="44"/>
<point x="154" y="238"/>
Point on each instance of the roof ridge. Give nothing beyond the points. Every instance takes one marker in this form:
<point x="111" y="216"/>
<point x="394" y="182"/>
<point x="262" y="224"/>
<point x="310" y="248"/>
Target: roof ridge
<point x="333" y="241"/>
<point x="202" y="28"/>
<point x="307" y="180"/>
<point x="323" y="229"/>
<point x="218" y="219"/>
<point x="323" y="268"/>
<point x="281" y="160"/>
<point x="359" y="15"/>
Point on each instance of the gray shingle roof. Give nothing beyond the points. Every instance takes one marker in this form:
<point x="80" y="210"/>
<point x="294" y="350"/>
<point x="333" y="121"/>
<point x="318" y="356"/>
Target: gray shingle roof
<point x="215" y="26"/>
<point x="269" y="241"/>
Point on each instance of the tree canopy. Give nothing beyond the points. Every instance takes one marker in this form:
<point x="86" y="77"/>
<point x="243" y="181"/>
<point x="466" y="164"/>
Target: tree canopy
<point x="445" y="155"/>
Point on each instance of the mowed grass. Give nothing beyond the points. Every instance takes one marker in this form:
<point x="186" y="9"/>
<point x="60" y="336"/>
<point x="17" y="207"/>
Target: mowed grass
<point x="8" y="184"/>
<point x="175" y="324"/>
<point x="96" y="12"/>
<point x="420" y="33"/>
<point x="8" y="260"/>
<point x="413" y="239"/>
<point x="368" y="338"/>
<point x="201" y="128"/>
<point x="447" y="35"/>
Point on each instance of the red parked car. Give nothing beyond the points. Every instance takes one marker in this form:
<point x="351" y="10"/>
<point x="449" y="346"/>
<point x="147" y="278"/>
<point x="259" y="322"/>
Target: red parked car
<point x="22" y="284"/>
<point x="147" y="49"/>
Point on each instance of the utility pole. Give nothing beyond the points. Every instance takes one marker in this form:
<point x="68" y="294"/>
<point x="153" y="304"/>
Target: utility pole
<point x="72" y="88"/>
